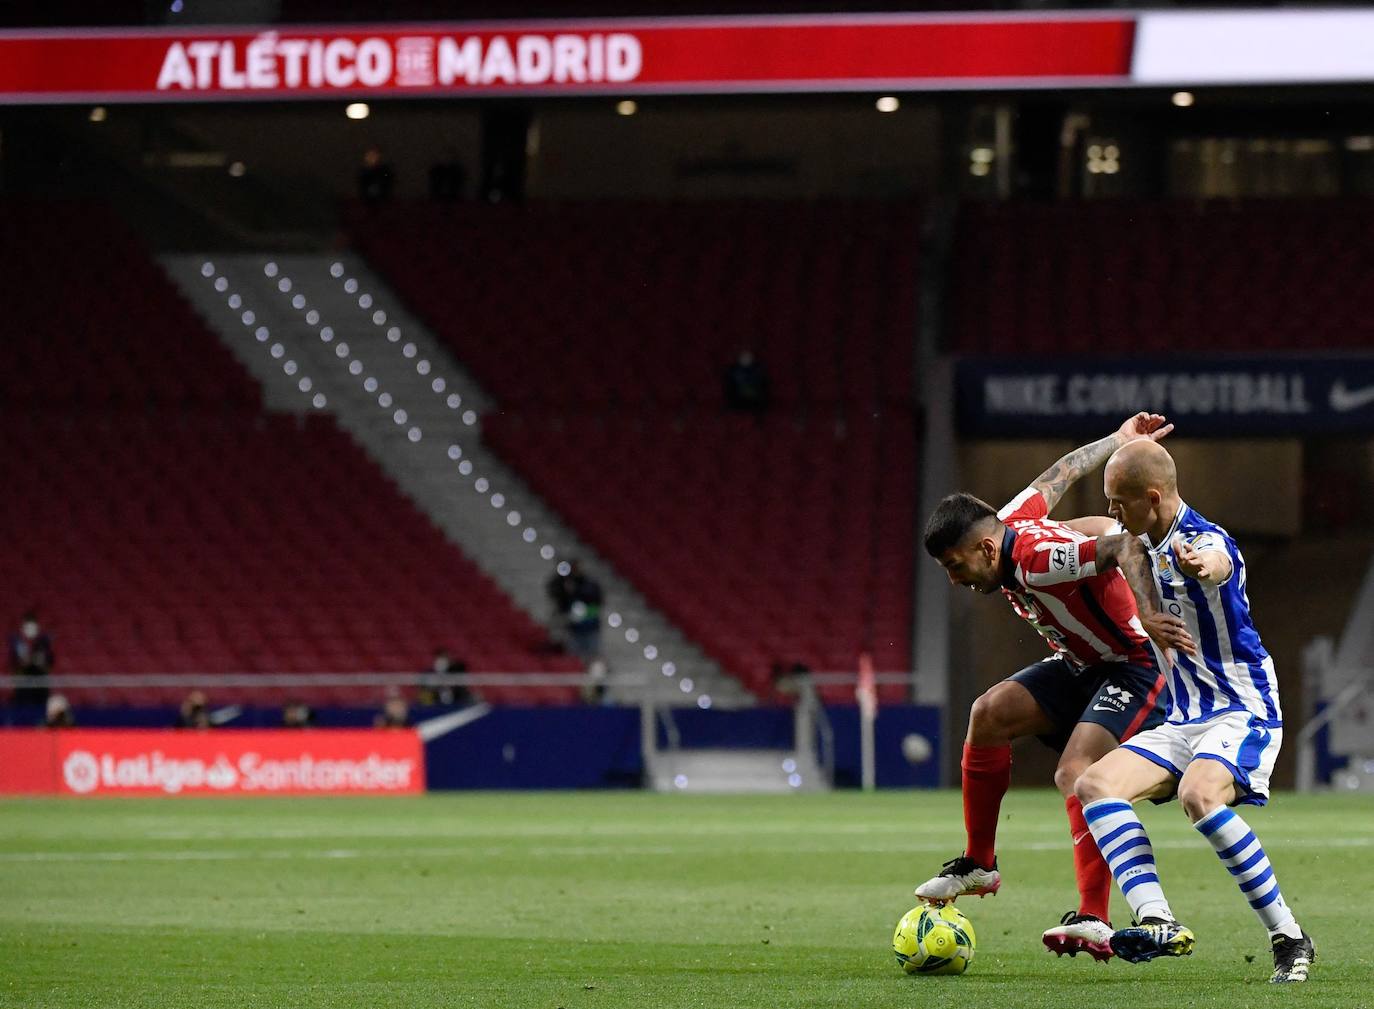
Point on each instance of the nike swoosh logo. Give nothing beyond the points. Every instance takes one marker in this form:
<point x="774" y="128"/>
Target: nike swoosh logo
<point x="1077" y="840"/>
<point x="1344" y="400"/>
<point x="1107" y="707"/>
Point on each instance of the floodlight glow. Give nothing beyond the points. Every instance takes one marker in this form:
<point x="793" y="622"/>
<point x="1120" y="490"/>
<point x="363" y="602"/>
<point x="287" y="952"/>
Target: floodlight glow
<point x="399" y="416"/>
<point x="237" y="168"/>
<point x="704" y="702"/>
<point x="277" y="350"/>
<point x="298" y="301"/>
<point x="355" y="367"/>
<point x="312" y="317"/>
<point x="262" y="334"/>
<point x="384" y="401"/>
<point x="284" y="284"/>
<point x="207" y="269"/>
<point x="235" y="301"/>
<point x="379" y="317"/>
<point x="319" y="401"/>
<point x="336" y="270"/>
<point x="351" y="286"/>
<point x="221" y="285"/>
<point x="530" y="535"/>
<point x="670" y="669"/>
<point x="304" y="384"/>
<point x="564" y="569"/>
<point x="546" y="552"/>
<point x="794" y="780"/>
<point x="627" y="107"/>
<point x="414" y="434"/>
<point x="680" y="781"/>
<point x="270" y="269"/>
<point x="498" y="500"/>
<point x="789" y="765"/>
<point x="249" y="318"/>
<point x="370" y="384"/>
<point x="422" y="366"/>
<point x="1183" y="99"/>
<point x="394" y="333"/>
<point x="455" y="452"/>
<point x="513" y="519"/>
<point x="341" y="350"/>
<point x="289" y="367"/>
<point x="650" y="652"/>
<point x="465" y="467"/>
<point x="685" y="684"/>
<point x="327" y="333"/>
<point x="365" y="301"/>
<point x="438" y="385"/>
<point x="482" y="486"/>
<point x="613" y="620"/>
<point x="469" y="418"/>
<point x="357" y="110"/>
<point x="409" y="350"/>
<point x="887" y="103"/>
<point x="98" y="114"/>
<point x="454" y="401"/>
<point x="631" y="635"/>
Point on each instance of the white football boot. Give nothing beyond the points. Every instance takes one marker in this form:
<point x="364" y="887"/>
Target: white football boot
<point x="960" y="877"/>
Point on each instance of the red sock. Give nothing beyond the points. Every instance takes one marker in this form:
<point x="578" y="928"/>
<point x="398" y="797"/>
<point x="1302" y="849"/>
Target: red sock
<point x="1089" y="867"/>
<point x="987" y="776"/>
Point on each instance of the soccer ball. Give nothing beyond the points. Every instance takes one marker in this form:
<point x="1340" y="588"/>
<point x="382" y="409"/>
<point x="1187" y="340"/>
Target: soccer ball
<point x="934" y="940"/>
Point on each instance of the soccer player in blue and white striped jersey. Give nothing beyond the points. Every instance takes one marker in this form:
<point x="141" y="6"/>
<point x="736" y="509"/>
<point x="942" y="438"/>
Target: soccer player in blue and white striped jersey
<point x="1221" y="736"/>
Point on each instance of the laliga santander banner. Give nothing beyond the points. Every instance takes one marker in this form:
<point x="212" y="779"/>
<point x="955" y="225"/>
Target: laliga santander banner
<point x="223" y="762"/>
<point x="688" y="55"/>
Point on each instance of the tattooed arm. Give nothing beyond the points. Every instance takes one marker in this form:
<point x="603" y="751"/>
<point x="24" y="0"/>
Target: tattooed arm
<point x="1081" y="461"/>
<point x="1126" y="552"/>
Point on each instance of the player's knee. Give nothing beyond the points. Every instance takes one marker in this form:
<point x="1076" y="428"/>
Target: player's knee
<point x="1089" y="786"/>
<point x="1198" y="798"/>
<point x="987" y="719"/>
<point x="1066" y="776"/>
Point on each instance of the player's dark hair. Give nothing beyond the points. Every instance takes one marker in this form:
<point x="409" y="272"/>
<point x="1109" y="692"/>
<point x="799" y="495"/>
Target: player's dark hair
<point x="951" y="520"/>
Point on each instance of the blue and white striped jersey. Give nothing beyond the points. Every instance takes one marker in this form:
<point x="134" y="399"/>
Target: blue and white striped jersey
<point x="1232" y="671"/>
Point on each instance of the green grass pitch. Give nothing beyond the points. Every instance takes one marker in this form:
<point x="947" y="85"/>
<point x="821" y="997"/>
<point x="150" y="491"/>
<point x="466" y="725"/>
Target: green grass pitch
<point x="592" y="901"/>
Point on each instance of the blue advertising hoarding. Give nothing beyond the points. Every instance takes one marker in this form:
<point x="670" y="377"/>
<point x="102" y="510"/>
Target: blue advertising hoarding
<point x="1047" y="397"/>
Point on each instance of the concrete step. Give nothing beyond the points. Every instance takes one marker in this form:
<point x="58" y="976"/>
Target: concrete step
<point x="735" y="770"/>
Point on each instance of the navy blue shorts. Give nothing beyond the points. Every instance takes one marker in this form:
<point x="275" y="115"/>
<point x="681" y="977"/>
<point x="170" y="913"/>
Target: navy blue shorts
<point x="1122" y="698"/>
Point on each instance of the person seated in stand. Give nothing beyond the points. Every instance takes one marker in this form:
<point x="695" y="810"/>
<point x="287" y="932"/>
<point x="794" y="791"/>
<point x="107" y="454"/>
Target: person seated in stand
<point x="59" y="713"/>
<point x="395" y="713"/>
<point x="194" y="714"/>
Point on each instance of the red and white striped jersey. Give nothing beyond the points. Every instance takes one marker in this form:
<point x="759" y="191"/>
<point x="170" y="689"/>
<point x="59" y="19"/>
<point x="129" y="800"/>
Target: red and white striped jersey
<point x="1049" y="573"/>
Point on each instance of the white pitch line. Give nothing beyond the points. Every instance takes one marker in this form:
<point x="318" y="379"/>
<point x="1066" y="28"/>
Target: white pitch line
<point x="564" y="851"/>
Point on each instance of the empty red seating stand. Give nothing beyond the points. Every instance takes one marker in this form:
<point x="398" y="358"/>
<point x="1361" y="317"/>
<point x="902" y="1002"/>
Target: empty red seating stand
<point x="603" y="330"/>
<point x="162" y="525"/>
<point x="767" y="542"/>
<point x="642" y="306"/>
<point x="1162" y="277"/>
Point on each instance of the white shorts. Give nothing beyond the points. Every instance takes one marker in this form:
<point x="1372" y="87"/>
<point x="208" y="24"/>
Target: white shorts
<point x="1237" y="739"/>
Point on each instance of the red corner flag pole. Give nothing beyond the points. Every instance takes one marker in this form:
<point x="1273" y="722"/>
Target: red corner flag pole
<point x="866" y="693"/>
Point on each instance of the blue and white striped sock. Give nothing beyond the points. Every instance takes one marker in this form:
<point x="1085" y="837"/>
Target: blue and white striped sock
<point x="1242" y="854"/>
<point x="1121" y="838"/>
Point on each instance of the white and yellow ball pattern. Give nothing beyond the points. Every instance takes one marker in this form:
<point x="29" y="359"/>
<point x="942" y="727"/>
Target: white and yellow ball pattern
<point x="934" y="940"/>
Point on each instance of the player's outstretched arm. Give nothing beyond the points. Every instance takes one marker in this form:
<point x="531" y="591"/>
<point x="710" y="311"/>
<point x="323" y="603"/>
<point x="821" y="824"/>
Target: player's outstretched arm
<point x="1126" y="552"/>
<point x="1092" y="525"/>
<point x="1211" y="567"/>
<point x="1083" y="460"/>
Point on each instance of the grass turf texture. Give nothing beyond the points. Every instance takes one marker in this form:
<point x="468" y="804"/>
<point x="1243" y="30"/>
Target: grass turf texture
<point x="628" y="899"/>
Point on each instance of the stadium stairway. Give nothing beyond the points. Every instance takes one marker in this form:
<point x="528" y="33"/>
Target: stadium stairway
<point x="431" y="394"/>
<point x="736" y="770"/>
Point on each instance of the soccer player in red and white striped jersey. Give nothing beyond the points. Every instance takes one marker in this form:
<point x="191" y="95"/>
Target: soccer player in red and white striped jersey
<point x="1101" y="685"/>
